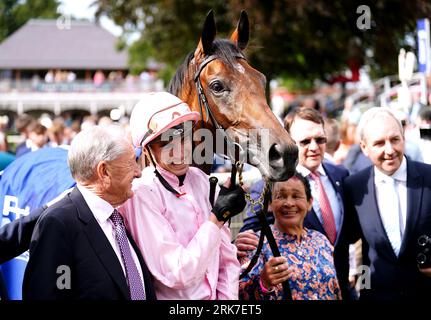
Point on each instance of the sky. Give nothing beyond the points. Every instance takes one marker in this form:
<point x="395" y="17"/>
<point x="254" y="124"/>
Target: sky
<point x="81" y="9"/>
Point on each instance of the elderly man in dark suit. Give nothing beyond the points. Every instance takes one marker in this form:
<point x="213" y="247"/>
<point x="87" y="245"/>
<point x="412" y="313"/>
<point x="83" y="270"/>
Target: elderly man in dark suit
<point x="306" y="127"/>
<point x="390" y="208"/>
<point x="80" y="248"/>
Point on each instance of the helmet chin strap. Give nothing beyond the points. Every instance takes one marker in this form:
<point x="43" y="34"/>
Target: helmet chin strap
<point x="160" y="177"/>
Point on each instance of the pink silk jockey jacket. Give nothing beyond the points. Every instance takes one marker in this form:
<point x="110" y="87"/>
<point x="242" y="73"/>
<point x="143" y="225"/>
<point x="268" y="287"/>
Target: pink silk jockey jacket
<point x="189" y="256"/>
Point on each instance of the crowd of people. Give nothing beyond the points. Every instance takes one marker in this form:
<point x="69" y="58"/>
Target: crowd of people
<point x="58" y="80"/>
<point x="130" y="231"/>
<point x="34" y="134"/>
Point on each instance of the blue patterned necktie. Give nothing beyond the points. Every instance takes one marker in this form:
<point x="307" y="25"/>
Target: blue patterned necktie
<point x="136" y="288"/>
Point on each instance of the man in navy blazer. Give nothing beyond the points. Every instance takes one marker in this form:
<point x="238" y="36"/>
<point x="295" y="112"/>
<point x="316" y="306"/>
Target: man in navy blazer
<point x="388" y="206"/>
<point x="306" y="128"/>
<point x="15" y="240"/>
<point x="15" y="236"/>
<point x="75" y="252"/>
<point x="336" y="175"/>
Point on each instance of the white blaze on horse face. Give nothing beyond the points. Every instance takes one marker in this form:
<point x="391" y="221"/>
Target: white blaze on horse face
<point x="240" y="68"/>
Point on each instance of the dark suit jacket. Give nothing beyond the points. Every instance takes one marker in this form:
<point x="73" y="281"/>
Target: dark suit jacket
<point x="15" y="239"/>
<point x="15" y="236"/>
<point x="336" y="175"/>
<point x="392" y="277"/>
<point x="356" y="160"/>
<point x="67" y="234"/>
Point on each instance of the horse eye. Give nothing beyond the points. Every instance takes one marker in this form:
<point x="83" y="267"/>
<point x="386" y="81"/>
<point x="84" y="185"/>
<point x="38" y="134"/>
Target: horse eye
<point x="217" y="86"/>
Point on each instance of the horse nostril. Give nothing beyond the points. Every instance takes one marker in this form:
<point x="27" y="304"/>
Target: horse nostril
<point x="275" y="156"/>
<point x="280" y="156"/>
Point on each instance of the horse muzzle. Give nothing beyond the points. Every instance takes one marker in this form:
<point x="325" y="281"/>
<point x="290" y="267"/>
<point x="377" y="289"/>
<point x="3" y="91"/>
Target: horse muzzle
<point x="282" y="161"/>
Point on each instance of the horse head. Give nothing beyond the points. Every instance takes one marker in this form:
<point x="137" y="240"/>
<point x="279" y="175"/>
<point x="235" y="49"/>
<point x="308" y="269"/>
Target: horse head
<point x="217" y="81"/>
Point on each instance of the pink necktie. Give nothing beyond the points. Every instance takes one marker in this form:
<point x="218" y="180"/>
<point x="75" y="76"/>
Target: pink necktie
<point x="137" y="291"/>
<point x="325" y="208"/>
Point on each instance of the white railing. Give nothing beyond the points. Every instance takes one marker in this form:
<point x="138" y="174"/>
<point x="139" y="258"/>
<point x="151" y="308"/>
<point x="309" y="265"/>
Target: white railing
<point x="132" y="84"/>
<point x="390" y="92"/>
<point x="58" y="102"/>
<point x="385" y="90"/>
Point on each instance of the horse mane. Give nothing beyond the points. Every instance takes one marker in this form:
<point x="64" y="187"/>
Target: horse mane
<point x="224" y="49"/>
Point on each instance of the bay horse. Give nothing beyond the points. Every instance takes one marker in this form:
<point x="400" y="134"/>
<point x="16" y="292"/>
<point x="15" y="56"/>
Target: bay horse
<point x="216" y="80"/>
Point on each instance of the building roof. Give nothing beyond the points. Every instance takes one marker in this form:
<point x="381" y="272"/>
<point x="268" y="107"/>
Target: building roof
<point x="50" y="44"/>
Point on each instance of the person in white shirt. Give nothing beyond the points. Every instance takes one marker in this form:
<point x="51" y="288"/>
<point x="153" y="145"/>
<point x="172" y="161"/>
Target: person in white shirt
<point x="389" y="208"/>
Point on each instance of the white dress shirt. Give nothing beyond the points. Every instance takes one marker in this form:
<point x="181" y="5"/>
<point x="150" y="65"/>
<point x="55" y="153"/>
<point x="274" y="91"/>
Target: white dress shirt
<point x="334" y="200"/>
<point x="102" y="211"/>
<point x="393" y="222"/>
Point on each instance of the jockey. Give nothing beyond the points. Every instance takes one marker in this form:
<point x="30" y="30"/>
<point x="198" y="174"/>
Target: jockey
<point x="185" y="243"/>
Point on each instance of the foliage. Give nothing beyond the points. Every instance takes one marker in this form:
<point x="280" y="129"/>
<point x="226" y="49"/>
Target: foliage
<point x="295" y="84"/>
<point x="15" y="13"/>
<point x="139" y="54"/>
<point x="306" y="39"/>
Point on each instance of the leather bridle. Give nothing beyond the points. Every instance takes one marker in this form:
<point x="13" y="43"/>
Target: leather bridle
<point x="266" y="230"/>
<point x="203" y="103"/>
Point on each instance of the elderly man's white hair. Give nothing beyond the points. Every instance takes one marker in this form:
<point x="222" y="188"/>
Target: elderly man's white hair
<point x="95" y="144"/>
<point x="372" y="113"/>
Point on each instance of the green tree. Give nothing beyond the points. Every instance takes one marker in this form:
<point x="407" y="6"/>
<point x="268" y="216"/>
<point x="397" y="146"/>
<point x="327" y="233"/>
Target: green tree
<point x="15" y="13"/>
<point x="299" y="39"/>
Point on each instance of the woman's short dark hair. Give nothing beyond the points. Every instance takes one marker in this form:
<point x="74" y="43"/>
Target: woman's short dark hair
<point x="304" y="181"/>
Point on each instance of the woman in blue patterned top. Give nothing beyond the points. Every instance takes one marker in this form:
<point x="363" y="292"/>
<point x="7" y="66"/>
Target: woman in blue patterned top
<point x="306" y="255"/>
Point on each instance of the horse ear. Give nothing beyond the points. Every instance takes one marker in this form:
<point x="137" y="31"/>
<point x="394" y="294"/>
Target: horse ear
<point x="242" y="32"/>
<point x="208" y="35"/>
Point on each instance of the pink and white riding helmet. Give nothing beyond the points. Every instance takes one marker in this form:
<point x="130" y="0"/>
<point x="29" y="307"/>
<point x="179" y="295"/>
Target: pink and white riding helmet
<point x="155" y="113"/>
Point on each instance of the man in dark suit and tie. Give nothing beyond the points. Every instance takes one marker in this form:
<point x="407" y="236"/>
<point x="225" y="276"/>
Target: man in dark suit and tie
<point x="80" y="248"/>
<point x="388" y="206"/>
<point x="306" y="127"/>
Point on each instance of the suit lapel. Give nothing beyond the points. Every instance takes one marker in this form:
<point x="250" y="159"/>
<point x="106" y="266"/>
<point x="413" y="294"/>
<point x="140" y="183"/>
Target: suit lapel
<point x="334" y="178"/>
<point x="414" y="200"/>
<point x="312" y="222"/>
<point x="336" y="184"/>
<point x="372" y="219"/>
<point x="100" y="243"/>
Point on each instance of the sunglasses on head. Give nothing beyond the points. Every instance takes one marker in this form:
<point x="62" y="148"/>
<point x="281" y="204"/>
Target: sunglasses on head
<point x="318" y="140"/>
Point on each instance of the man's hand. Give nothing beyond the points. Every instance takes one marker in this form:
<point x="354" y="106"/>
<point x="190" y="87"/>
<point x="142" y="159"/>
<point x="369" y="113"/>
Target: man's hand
<point x="246" y="241"/>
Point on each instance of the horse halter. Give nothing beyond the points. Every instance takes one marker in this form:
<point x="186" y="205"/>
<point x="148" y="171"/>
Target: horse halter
<point x="203" y="102"/>
<point x="263" y="200"/>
